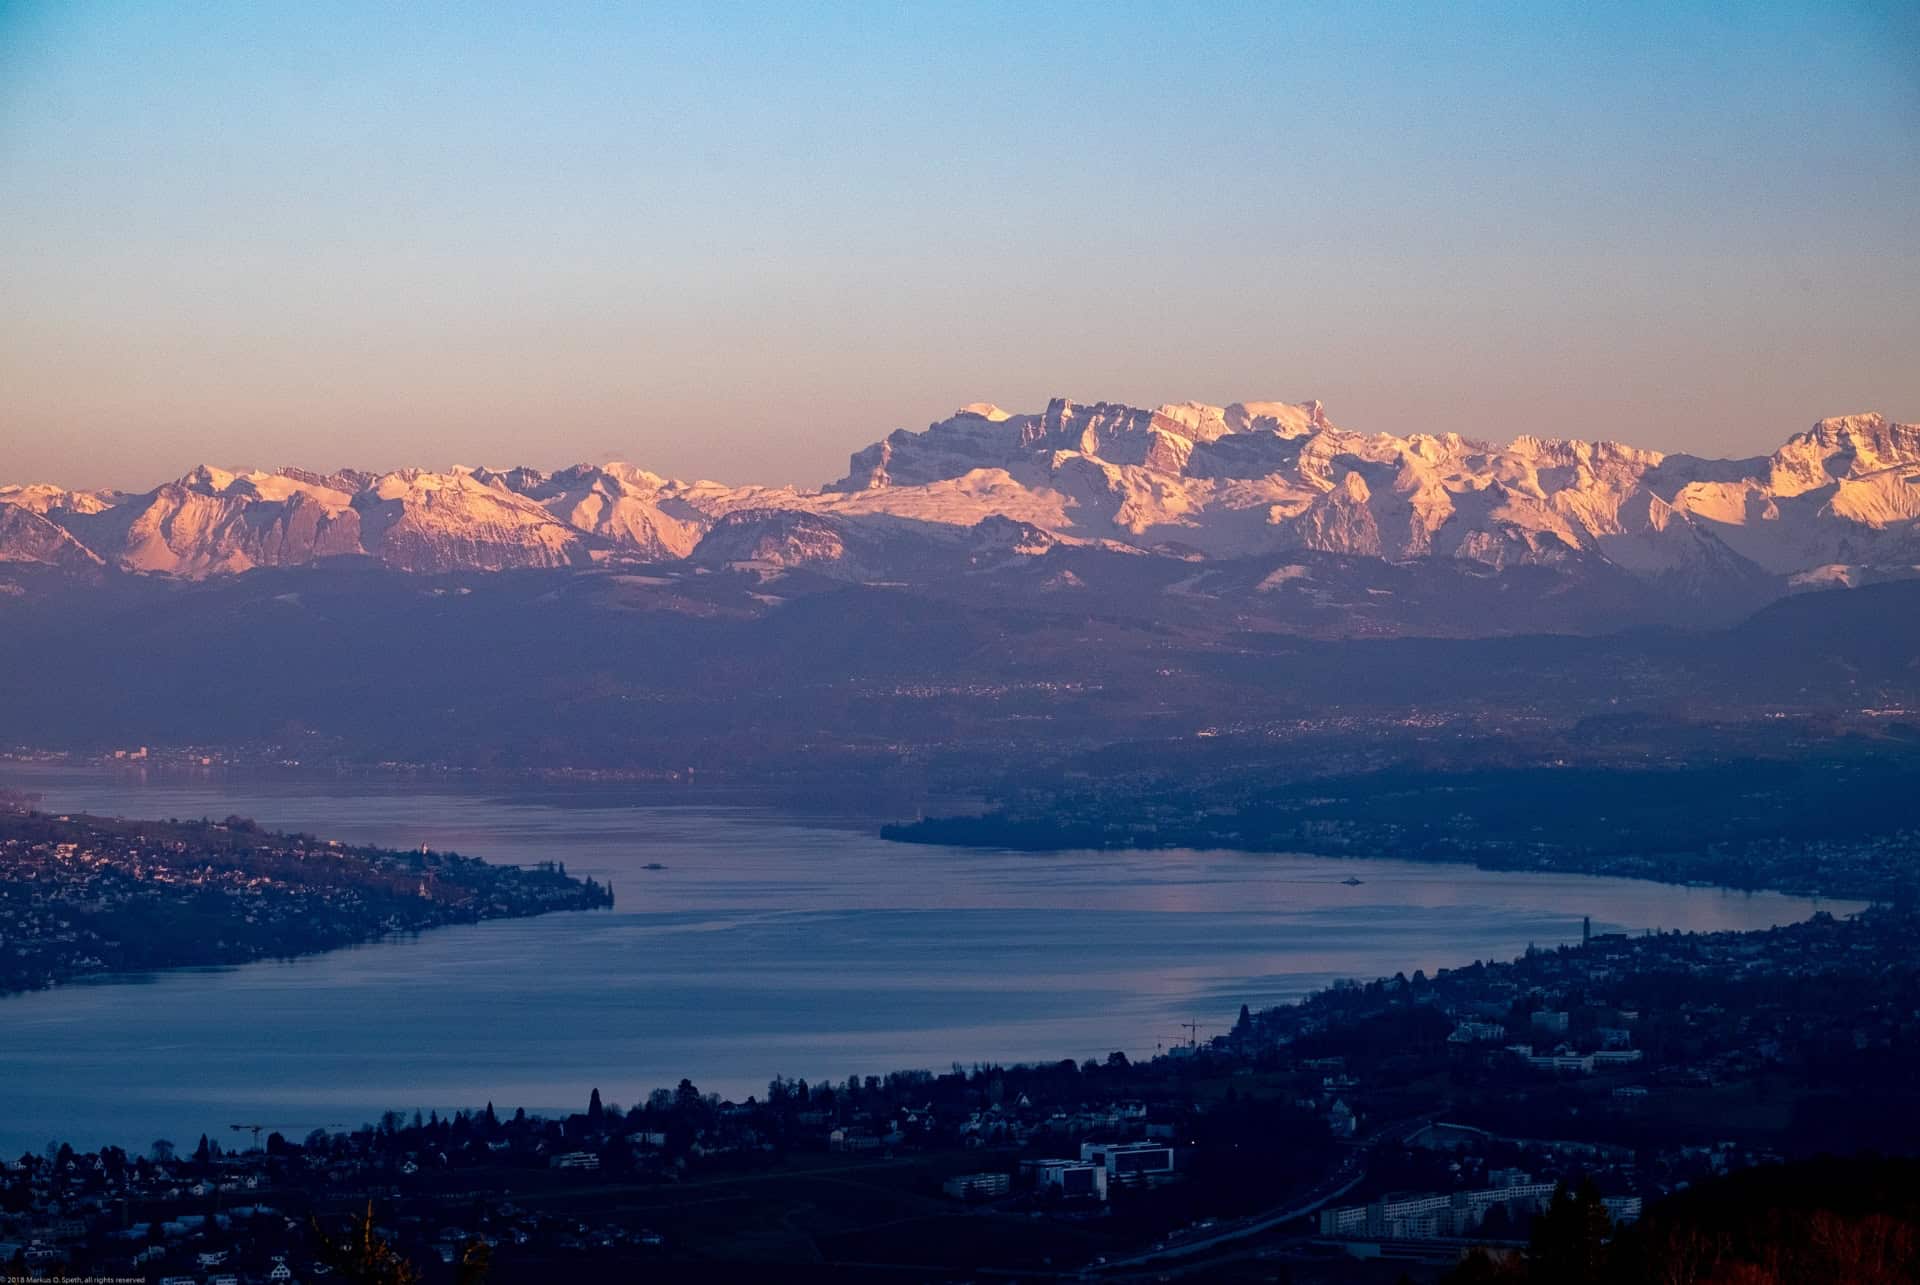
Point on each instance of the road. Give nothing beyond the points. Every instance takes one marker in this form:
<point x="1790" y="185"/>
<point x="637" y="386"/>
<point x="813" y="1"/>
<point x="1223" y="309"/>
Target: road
<point x="1345" y="1176"/>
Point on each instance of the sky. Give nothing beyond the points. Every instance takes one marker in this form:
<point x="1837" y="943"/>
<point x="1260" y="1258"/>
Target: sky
<point x="740" y="240"/>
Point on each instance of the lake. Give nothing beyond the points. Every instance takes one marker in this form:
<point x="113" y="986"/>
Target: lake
<point x="766" y="945"/>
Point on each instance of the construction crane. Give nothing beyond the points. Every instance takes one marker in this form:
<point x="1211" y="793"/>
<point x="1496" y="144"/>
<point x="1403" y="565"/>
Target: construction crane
<point x="256" y="1128"/>
<point x="1193" y="1030"/>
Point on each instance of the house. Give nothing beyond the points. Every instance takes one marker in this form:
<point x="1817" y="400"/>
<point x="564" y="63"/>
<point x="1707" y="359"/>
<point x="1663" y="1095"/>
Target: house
<point x="1129" y="1161"/>
<point x="1073" y="1179"/>
<point x="1622" y="1209"/>
<point x="1582" y="1063"/>
<point x="852" y="1140"/>
<point x="977" y="1186"/>
<point x="1477" y="1033"/>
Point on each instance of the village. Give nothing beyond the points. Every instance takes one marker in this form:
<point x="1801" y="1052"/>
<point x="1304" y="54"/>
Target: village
<point x="87" y="895"/>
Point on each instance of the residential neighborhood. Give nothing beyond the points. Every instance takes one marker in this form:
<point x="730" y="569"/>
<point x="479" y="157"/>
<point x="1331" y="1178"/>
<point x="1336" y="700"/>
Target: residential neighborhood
<point x="1425" y="1113"/>
<point x="89" y="895"/>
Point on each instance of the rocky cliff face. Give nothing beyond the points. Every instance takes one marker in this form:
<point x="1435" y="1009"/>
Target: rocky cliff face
<point x="27" y="536"/>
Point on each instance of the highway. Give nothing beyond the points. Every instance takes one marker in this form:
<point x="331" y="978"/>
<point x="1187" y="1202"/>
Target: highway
<point x="1344" y="1177"/>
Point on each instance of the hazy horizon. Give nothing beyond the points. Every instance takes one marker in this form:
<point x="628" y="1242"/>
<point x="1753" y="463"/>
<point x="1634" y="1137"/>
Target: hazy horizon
<point x="741" y="245"/>
<point x="379" y="461"/>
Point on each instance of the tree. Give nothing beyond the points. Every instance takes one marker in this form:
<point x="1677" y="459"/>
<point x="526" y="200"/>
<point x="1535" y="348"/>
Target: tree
<point x="476" y="1260"/>
<point x="161" y="1151"/>
<point x="1570" y="1239"/>
<point x="595" y="1112"/>
<point x="1479" y="1267"/>
<point x="364" y="1257"/>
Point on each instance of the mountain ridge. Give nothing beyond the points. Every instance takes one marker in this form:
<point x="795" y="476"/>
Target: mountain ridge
<point x="1838" y="503"/>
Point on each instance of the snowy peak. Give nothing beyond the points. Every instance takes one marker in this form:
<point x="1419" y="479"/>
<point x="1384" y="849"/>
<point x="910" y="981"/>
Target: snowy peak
<point x="1288" y="419"/>
<point x="1848" y="446"/>
<point x="977" y="436"/>
<point x="617" y="502"/>
<point x="275" y="487"/>
<point x="38" y="497"/>
<point x="457" y="521"/>
<point x="982" y="435"/>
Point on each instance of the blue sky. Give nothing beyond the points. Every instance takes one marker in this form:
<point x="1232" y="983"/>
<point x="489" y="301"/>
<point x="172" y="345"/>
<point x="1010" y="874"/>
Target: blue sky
<point x="739" y="241"/>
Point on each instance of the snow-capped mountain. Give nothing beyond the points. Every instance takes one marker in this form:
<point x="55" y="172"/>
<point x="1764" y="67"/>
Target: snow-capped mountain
<point x="1253" y="478"/>
<point x="1837" y="503"/>
<point x="631" y="509"/>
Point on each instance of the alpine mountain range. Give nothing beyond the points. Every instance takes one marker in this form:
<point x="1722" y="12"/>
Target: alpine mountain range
<point x="1248" y="501"/>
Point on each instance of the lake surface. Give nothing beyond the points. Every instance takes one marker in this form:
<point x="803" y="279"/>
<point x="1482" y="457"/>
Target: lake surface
<point x="765" y="946"/>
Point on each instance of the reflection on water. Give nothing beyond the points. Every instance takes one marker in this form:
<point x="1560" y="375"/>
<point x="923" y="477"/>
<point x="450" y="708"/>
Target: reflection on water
<point x="762" y="946"/>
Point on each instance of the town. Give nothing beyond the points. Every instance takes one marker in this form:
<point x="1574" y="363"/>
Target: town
<point x="1763" y="804"/>
<point x="89" y="895"/>
<point x="1412" y="1120"/>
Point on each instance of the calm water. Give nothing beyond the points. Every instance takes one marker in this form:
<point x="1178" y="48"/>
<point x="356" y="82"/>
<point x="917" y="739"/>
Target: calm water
<point x="764" y="946"/>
